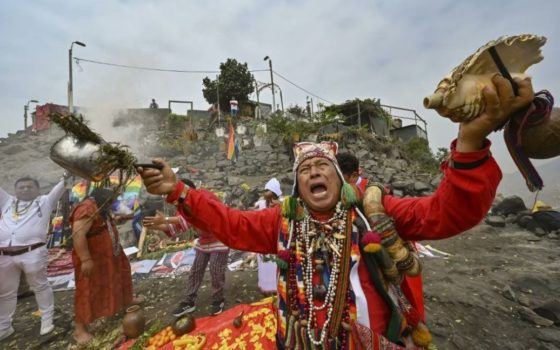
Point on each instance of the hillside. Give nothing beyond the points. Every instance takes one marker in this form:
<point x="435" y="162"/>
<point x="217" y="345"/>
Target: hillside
<point x="200" y="155"/>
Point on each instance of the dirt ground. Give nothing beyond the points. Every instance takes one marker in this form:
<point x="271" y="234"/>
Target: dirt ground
<point x="467" y="294"/>
<point x="477" y="298"/>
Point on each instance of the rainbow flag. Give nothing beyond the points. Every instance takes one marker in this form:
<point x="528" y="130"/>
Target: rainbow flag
<point x="129" y="198"/>
<point x="78" y="191"/>
<point x="57" y="223"/>
<point x="232" y="147"/>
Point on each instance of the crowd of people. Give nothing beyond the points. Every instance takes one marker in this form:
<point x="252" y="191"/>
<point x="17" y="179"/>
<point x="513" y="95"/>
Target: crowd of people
<point x="346" y="276"/>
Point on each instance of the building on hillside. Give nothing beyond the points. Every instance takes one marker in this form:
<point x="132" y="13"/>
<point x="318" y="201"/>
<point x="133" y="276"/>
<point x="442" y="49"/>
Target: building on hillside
<point x="381" y="120"/>
<point x="40" y="118"/>
<point x="406" y="123"/>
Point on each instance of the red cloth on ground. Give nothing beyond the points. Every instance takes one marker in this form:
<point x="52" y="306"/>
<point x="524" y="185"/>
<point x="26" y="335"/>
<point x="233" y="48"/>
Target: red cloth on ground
<point x="109" y="287"/>
<point x="460" y="202"/>
<point x="60" y="266"/>
<point x="257" y="331"/>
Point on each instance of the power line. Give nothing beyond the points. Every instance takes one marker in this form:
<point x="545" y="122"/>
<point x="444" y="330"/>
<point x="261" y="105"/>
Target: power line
<point x="299" y="87"/>
<point x="78" y="60"/>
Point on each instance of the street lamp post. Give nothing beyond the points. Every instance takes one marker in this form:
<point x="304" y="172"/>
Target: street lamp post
<point x="25" y="109"/>
<point x="70" y="88"/>
<point x="258" y="109"/>
<point x="218" y="98"/>
<point x="266" y="58"/>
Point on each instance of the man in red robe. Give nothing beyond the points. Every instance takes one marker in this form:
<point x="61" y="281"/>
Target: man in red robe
<point x="312" y="230"/>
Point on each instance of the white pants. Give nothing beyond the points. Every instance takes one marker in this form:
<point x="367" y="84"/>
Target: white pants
<point x="34" y="265"/>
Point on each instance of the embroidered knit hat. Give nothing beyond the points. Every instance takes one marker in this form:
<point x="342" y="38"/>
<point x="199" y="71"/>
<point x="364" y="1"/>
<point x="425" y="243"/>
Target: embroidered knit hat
<point x="308" y="150"/>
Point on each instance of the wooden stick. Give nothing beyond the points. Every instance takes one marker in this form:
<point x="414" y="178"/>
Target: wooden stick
<point x="141" y="241"/>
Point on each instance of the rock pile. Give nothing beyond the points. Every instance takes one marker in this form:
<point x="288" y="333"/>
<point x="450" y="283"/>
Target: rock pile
<point x="512" y="210"/>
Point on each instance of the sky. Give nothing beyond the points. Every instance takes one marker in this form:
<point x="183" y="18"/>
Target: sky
<point x="393" y="50"/>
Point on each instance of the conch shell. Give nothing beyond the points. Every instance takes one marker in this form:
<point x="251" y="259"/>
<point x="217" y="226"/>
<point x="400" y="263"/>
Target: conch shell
<point x="459" y="95"/>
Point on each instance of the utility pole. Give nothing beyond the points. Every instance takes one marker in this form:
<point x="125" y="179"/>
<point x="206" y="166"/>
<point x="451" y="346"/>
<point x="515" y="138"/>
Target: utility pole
<point x="359" y="116"/>
<point x="312" y="112"/>
<point x="218" y="93"/>
<point x="266" y="58"/>
<point x="258" y="109"/>
<point x="70" y="87"/>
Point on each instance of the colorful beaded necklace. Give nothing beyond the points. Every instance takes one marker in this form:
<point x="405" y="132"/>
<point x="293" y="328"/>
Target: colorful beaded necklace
<point x="322" y="243"/>
<point x="315" y="258"/>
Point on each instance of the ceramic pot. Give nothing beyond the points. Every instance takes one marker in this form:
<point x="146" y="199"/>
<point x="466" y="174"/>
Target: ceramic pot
<point x="79" y="158"/>
<point x="133" y="322"/>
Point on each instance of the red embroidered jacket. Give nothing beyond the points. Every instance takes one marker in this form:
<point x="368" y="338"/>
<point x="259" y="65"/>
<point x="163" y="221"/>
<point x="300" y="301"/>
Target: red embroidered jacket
<point x="461" y="201"/>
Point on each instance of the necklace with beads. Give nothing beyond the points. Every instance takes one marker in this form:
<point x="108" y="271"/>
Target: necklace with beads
<point x="17" y="212"/>
<point x="322" y="243"/>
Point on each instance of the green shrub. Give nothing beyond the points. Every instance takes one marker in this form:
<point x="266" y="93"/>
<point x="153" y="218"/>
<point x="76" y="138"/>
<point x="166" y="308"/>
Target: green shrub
<point x="418" y="150"/>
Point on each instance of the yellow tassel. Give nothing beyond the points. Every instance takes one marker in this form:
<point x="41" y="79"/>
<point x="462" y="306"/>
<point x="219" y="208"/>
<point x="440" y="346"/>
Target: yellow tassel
<point x="372" y="247"/>
<point x="286" y="206"/>
<point x="404" y="324"/>
<point x="421" y="335"/>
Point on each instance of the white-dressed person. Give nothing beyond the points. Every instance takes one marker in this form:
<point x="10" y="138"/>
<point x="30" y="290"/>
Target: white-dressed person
<point x="271" y="196"/>
<point x="23" y="233"/>
<point x="266" y="276"/>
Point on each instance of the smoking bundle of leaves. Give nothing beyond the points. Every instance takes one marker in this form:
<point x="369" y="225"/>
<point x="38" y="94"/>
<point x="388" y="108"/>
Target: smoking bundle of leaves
<point x="112" y="156"/>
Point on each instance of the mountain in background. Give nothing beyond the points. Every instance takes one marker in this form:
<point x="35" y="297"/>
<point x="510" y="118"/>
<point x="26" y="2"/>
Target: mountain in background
<point x="514" y="184"/>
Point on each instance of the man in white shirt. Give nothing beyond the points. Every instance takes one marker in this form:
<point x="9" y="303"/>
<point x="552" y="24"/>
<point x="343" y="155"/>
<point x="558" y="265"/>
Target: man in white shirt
<point x="23" y="232"/>
<point x="233" y="107"/>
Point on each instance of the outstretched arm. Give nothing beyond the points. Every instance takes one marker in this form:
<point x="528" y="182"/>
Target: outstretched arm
<point x="471" y="176"/>
<point x="245" y="230"/>
<point x="462" y="199"/>
<point x="255" y="231"/>
<point x="57" y="192"/>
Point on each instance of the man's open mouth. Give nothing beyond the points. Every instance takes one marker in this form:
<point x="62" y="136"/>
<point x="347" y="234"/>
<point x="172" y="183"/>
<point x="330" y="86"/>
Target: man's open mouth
<point x="318" y="188"/>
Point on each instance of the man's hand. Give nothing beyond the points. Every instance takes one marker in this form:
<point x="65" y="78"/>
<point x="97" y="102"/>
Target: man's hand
<point x="87" y="267"/>
<point x="65" y="176"/>
<point x="157" y="222"/>
<point x="501" y="104"/>
<point x="157" y="181"/>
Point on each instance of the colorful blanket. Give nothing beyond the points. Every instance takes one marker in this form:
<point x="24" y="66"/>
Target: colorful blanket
<point x="256" y="332"/>
<point x="60" y="262"/>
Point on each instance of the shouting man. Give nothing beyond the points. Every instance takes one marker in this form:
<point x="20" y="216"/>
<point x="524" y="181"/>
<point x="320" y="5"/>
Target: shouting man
<point x="330" y="294"/>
